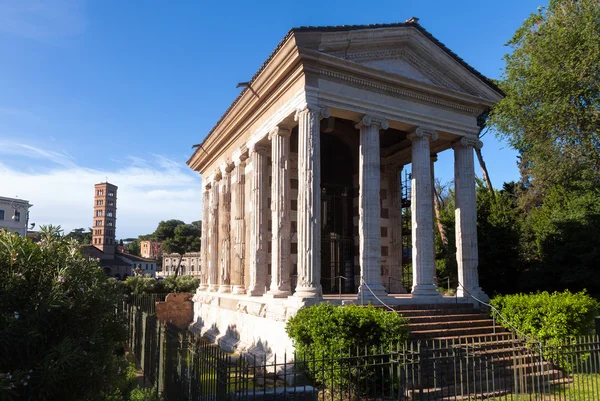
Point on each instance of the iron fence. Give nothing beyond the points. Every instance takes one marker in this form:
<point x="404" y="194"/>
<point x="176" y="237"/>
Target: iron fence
<point x="146" y="302"/>
<point x="182" y="365"/>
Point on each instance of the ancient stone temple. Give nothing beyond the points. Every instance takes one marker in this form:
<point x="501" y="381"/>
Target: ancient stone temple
<point x="301" y="178"/>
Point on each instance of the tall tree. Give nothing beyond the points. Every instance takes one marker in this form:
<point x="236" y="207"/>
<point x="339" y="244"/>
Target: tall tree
<point x="551" y="112"/>
<point x="185" y="238"/>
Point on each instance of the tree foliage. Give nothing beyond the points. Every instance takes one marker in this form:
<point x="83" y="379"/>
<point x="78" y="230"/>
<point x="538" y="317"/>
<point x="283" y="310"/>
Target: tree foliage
<point x="551" y="112"/>
<point x="58" y="324"/>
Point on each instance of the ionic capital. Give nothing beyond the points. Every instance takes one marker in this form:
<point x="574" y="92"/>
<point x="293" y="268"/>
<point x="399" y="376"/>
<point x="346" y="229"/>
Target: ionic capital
<point x="368" y="120"/>
<point x="423" y="133"/>
<point x="226" y="168"/>
<point x="279" y="131"/>
<point x="468" y="142"/>
<point x="260" y="148"/>
<point x="240" y="155"/>
<point x="217" y="175"/>
<point x="320" y="111"/>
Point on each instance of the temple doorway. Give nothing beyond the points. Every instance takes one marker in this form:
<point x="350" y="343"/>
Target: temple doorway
<point x="338" y="167"/>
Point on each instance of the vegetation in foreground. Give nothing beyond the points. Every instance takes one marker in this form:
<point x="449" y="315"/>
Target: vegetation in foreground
<point x="61" y="336"/>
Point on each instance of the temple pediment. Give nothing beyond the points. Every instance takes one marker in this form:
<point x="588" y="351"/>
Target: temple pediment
<point x="405" y="51"/>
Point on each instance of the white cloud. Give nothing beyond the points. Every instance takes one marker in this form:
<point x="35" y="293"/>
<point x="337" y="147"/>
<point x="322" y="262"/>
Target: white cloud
<point x="157" y="189"/>
<point x="41" y="19"/>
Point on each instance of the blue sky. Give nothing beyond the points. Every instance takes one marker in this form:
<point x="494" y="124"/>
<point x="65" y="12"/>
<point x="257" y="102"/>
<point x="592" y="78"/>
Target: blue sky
<point x="122" y="89"/>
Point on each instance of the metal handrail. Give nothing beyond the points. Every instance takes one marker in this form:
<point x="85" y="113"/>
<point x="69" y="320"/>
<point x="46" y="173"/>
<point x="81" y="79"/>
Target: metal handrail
<point x="339" y="283"/>
<point x="496" y="311"/>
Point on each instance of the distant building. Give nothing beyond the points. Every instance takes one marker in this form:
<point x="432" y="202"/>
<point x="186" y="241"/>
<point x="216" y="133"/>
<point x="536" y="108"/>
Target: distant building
<point x="150" y="249"/>
<point x="115" y="263"/>
<point x="190" y="264"/>
<point x="14" y="215"/>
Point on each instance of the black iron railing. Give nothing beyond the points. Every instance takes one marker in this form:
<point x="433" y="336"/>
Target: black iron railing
<point x="182" y="365"/>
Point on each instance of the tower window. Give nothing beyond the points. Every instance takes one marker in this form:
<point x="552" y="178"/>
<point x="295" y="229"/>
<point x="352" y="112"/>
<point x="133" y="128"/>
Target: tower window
<point x="98" y="213"/>
<point x="1" y="214"/>
<point x="17" y="216"/>
<point x="100" y="192"/>
<point x="98" y="223"/>
<point x="111" y="193"/>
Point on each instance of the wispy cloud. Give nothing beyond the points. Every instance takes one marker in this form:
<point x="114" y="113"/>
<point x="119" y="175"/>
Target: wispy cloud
<point x="159" y="189"/>
<point x="42" y="20"/>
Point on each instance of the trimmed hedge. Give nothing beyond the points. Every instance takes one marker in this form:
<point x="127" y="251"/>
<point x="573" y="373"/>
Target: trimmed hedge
<point x="330" y="332"/>
<point x="552" y="318"/>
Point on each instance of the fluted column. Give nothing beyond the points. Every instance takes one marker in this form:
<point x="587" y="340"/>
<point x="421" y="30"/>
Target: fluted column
<point x="213" y="238"/>
<point x="258" y="224"/>
<point x="394" y="179"/>
<point x="423" y="246"/>
<point x="280" y="209"/>
<point x="309" y="202"/>
<point x="466" y="220"/>
<point x="204" y="238"/>
<point x="225" y="229"/>
<point x="369" y="208"/>
<point x="238" y="224"/>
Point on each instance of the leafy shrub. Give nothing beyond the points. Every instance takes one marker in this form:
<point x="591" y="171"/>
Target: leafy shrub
<point x="143" y="394"/>
<point x="60" y="334"/>
<point x="552" y="318"/>
<point x="329" y="332"/>
<point x="148" y="285"/>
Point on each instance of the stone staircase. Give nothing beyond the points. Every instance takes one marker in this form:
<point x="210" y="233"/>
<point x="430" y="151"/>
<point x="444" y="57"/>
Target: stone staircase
<point x="462" y="354"/>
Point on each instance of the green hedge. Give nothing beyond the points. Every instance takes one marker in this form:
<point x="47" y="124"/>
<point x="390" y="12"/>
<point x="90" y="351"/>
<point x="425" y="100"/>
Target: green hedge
<point x="552" y="318"/>
<point x="327" y="331"/>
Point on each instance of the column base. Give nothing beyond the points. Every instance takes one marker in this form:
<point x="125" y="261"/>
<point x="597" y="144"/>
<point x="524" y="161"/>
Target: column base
<point x="425" y="290"/>
<point x="370" y="294"/>
<point x="278" y="294"/>
<point x="305" y="292"/>
<point x="255" y="292"/>
<point x="238" y="290"/>
<point x="202" y="287"/>
<point x="213" y="287"/>
<point x="476" y="294"/>
<point x="224" y="288"/>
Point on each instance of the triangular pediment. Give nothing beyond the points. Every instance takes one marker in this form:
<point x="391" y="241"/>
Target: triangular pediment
<point x="406" y="52"/>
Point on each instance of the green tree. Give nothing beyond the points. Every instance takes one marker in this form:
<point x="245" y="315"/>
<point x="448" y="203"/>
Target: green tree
<point x="81" y="236"/>
<point x="551" y="112"/>
<point x="166" y="229"/>
<point x="186" y="238"/>
<point x="58" y="324"/>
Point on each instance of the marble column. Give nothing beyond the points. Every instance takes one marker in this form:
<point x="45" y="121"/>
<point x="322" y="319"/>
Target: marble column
<point x="213" y="237"/>
<point x="466" y="220"/>
<point x="258" y="223"/>
<point x="204" y="239"/>
<point x="394" y="179"/>
<point x="238" y="190"/>
<point x="309" y="202"/>
<point x="423" y="245"/>
<point x="225" y="229"/>
<point x="369" y="209"/>
<point x="281" y="214"/>
<point x="433" y="158"/>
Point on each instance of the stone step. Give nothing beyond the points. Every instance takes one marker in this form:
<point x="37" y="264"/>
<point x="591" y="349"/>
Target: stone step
<point x="456" y="332"/>
<point x="466" y="324"/>
<point x="430" y="307"/>
<point x="448" y="317"/>
<point x="501" y="335"/>
<point x="408" y="313"/>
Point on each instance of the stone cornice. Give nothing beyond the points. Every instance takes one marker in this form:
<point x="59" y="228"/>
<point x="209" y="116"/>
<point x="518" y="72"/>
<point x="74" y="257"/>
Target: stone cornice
<point x="395" y="91"/>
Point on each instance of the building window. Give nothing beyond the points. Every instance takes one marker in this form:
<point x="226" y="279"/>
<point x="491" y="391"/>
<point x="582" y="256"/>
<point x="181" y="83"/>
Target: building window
<point x="1" y="214"/>
<point x="109" y="214"/>
<point x="99" y="202"/>
<point x="98" y="213"/>
<point x="110" y="223"/>
<point x="111" y="203"/>
<point x="98" y="223"/>
<point x="111" y="193"/>
<point x="17" y="216"/>
<point x="100" y="192"/>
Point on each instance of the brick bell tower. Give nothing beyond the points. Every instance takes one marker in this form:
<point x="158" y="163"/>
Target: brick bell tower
<point x="105" y="218"/>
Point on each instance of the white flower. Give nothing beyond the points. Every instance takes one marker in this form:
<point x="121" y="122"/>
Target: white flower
<point x="16" y="315"/>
